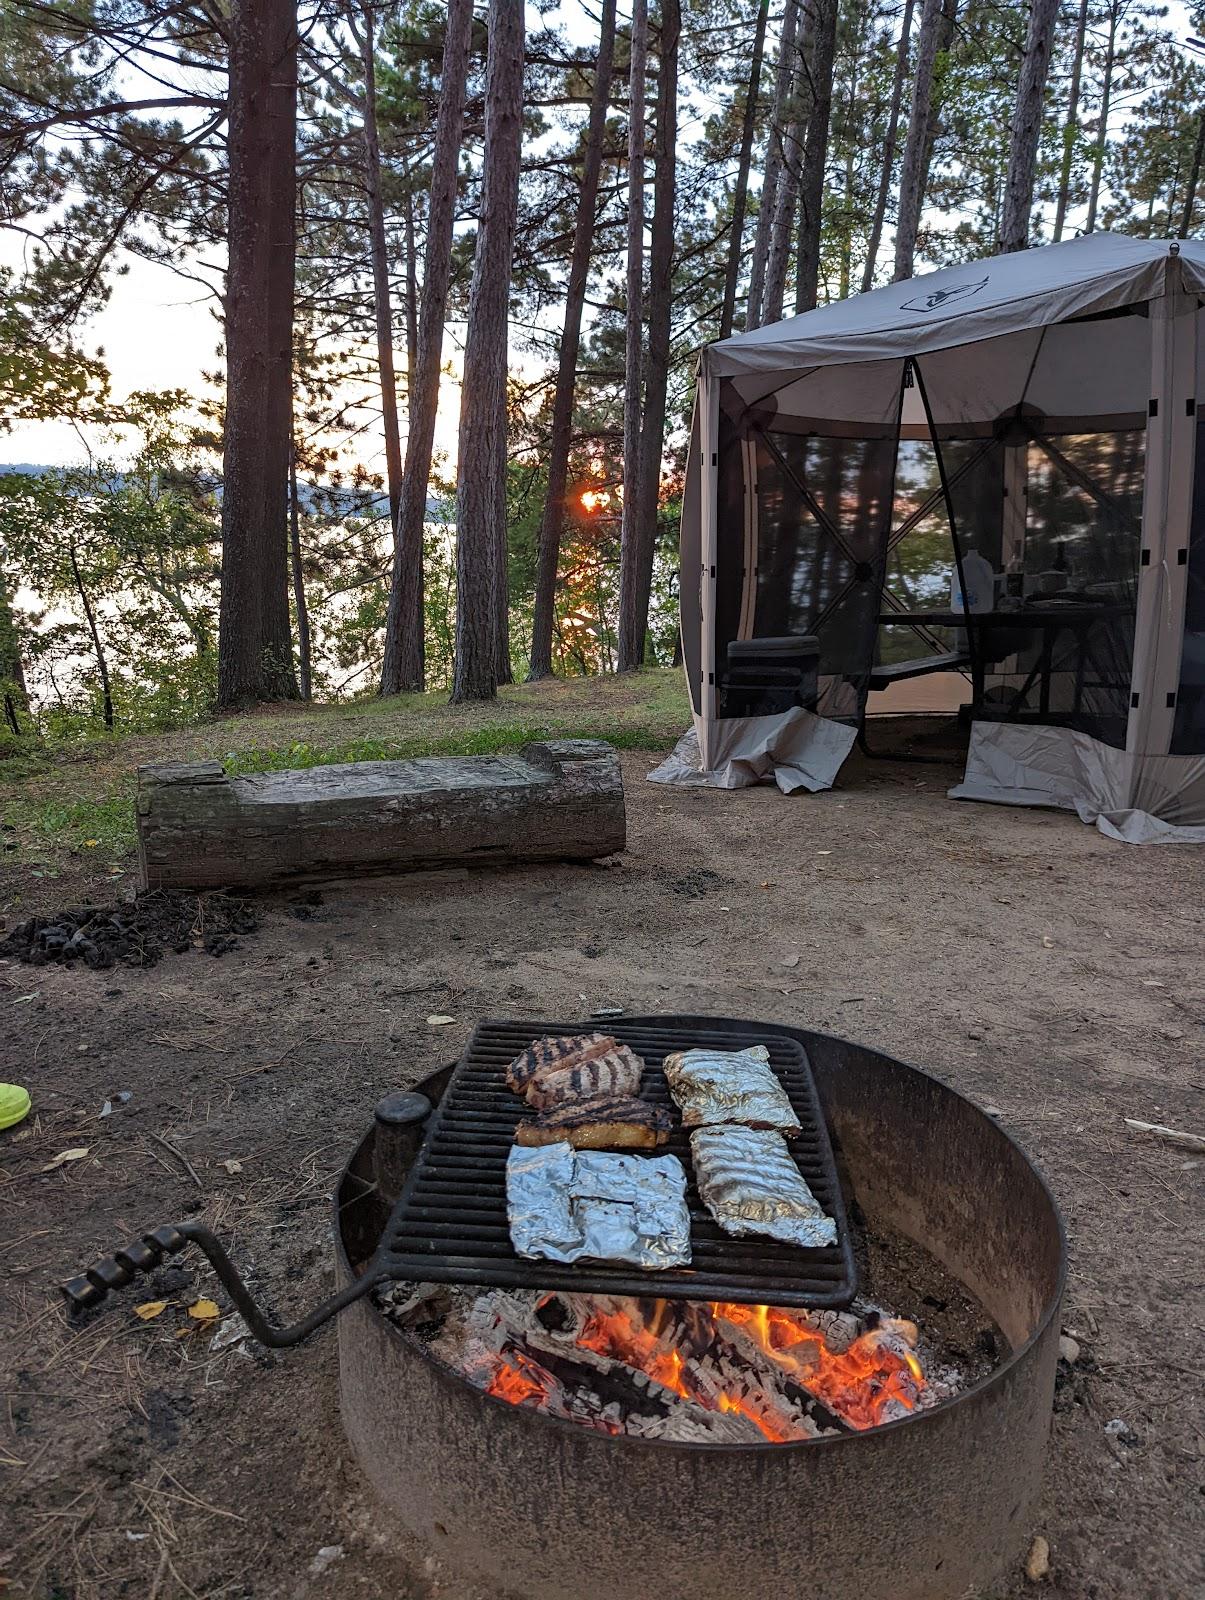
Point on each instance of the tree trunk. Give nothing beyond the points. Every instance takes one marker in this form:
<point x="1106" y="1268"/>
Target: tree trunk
<point x="740" y="198"/>
<point x="633" y="388"/>
<point x="299" y="601"/>
<point x="255" y="658"/>
<point x="381" y="299"/>
<point x="784" y="73"/>
<point x="815" y="155"/>
<point x="12" y="670"/>
<point x="890" y="140"/>
<point x="411" y="284"/>
<point x="98" y="649"/>
<point x="403" y="666"/>
<point x="553" y="519"/>
<point x="1102" y="134"/>
<point x="1027" y="126"/>
<point x="786" y="190"/>
<point x="1071" y="126"/>
<point x="912" y="171"/>
<point x="660" y="304"/>
<point x="481" y="467"/>
<point x="1194" y="178"/>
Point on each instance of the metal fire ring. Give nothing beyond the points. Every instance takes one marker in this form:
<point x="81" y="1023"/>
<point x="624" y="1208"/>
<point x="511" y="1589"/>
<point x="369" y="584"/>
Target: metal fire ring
<point x="927" y="1508"/>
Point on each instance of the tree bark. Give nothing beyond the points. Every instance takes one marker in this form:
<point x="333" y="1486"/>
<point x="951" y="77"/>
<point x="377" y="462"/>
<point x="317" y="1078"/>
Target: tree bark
<point x="815" y="154"/>
<point x="660" y="305"/>
<point x="890" y="140"/>
<point x="255" y="658"/>
<point x="784" y="73"/>
<point x="553" y="520"/>
<point x="481" y="467"/>
<point x="1027" y="126"/>
<point x="912" y="171"/>
<point x="633" y="389"/>
<point x="1071" y="126"/>
<point x="199" y="829"/>
<point x="300" y="607"/>
<point x="403" y="665"/>
<point x="381" y="298"/>
<point x="1102" y="134"/>
<point x="740" y="197"/>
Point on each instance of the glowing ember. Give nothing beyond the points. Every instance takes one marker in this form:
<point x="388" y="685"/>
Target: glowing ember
<point x="521" y="1381"/>
<point x="875" y="1380"/>
<point x="865" y="1377"/>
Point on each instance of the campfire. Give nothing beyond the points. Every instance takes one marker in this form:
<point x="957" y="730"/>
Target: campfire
<point x="716" y="1372"/>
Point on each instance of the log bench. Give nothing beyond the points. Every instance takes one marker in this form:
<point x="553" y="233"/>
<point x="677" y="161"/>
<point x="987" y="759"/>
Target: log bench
<point x="560" y="799"/>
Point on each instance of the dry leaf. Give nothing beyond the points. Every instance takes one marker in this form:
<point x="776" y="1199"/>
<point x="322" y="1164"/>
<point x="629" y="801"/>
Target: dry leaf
<point x="150" y="1308"/>
<point x="204" y="1310"/>
<point x="439" y="1021"/>
<point x="232" y="1167"/>
<point x="90" y="844"/>
<point x="65" y="1156"/>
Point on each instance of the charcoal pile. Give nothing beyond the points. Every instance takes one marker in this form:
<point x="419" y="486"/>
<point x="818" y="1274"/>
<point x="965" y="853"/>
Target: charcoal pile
<point x="134" y="935"/>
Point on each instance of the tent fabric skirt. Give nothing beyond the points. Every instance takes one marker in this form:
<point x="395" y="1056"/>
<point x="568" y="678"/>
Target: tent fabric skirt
<point x="1148" y="801"/>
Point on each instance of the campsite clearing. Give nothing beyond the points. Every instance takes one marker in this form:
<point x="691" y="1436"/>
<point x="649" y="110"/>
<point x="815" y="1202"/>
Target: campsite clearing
<point x="1033" y="964"/>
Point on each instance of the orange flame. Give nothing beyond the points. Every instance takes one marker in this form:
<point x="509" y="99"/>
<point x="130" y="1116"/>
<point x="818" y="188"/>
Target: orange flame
<point x="520" y="1381"/>
<point x="865" y="1385"/>
<point x="877" y="1379"/>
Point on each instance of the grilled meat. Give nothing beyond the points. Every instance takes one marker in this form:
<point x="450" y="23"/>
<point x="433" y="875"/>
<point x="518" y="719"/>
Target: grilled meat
<point x="557" y="1051"/>
<point x="551" y="1072"/>
<point x="609" y="1122"/>
<point x="714" y="1086"/>
<point x="750" y="1184"/>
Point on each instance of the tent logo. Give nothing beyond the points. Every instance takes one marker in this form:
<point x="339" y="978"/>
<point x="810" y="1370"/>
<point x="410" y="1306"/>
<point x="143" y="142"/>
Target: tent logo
<point x="936" y="299"/>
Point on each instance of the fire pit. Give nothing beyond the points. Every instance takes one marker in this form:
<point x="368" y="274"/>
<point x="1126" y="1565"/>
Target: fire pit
<point x="923" y="1496"/>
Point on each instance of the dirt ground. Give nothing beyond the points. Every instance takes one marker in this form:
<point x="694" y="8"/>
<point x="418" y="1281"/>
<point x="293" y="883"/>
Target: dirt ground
<point x="1018" y="954"/>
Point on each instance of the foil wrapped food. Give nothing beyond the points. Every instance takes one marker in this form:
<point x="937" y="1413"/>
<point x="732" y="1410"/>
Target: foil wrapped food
<point x="572" y="1205"/>
<point x="749" y="1182"/>
<point x="718" y="1086"/>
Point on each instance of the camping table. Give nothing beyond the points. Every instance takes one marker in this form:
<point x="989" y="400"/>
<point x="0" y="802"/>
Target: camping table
<point x="1051" y="619"/>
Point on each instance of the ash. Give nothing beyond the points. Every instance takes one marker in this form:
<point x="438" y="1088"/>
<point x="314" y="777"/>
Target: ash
<point x="695" y="1372"/>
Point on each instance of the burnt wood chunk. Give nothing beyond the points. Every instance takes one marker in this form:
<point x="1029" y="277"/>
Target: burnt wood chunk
<point x="560" y="799"/>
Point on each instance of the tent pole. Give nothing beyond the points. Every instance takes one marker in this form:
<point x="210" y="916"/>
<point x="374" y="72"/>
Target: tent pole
<point x="708" y="531"/>
<point x="972" y="640"/>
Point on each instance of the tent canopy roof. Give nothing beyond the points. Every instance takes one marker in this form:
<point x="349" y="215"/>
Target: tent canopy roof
<point x="962" y="305"/>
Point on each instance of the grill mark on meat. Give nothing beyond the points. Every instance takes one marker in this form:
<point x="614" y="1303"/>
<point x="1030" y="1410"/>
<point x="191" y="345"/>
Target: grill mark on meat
<point x="606" y="1122"/>
<point x="617" y="1071"/>
<point x="558" y="1050"/>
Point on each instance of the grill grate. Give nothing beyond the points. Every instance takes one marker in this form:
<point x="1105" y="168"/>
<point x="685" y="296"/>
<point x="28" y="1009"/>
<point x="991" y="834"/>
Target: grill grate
<point x="449" y="1224"/>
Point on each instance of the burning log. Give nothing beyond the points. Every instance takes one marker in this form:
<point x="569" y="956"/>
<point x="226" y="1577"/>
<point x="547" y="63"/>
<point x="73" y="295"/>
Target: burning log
<point x="685" y="1371"/>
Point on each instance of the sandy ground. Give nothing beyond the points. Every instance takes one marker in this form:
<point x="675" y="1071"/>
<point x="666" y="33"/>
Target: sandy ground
<point x="1021" y="956"/>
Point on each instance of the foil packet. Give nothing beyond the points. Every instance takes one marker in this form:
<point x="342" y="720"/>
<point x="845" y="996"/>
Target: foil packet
<point x="572" y="1205"/>
<point x="715" y="1086"/>
<point x="749" y="1182"/>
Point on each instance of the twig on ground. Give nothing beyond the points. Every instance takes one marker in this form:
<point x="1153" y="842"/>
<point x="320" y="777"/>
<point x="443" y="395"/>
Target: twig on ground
<point x="1183" y="1141"/>
<point x="180" y="1157"/>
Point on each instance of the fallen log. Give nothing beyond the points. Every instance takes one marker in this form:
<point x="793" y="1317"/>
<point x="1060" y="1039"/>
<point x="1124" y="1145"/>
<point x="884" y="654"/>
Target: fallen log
<point x="560" y="799"/>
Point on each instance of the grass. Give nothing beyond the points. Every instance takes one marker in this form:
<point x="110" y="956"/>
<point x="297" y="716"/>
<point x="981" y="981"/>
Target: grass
<point x="71" y="808"/>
